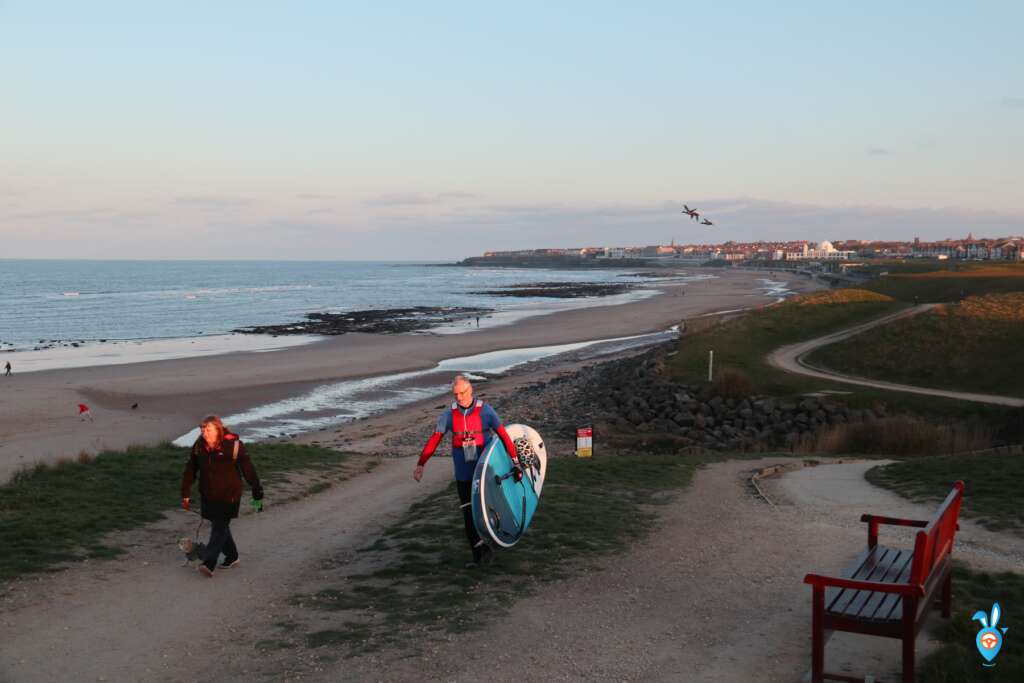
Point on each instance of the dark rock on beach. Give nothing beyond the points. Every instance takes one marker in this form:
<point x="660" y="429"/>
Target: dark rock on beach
<point x="560" y="290"/>
<point x="376" y="321"/>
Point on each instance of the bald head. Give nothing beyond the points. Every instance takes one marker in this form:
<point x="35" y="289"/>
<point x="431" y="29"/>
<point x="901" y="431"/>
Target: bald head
<point x="462" y="390"/>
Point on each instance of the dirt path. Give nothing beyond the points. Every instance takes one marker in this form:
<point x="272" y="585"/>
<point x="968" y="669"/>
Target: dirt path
<point x="715" y="594"/>
<point x="147" y="617"/>
<point x="790" y="359"/>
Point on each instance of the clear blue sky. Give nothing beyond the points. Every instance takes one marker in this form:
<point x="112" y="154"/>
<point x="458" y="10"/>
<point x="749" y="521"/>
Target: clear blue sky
<point x="330" y="130"/>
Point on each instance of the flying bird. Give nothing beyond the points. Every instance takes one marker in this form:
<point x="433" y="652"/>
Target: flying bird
<point x="706" y="222"/>
<point x="134" y="406"/>
<point x="692" y="213"/>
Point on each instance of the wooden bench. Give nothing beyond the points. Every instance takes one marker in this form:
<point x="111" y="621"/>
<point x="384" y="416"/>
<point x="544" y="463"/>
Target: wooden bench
<point x="887" y="591"/>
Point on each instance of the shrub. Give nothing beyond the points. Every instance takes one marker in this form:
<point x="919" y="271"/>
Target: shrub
<point x="732" y="383"/>
<point x="899" y="435"/>
<point x="839" y="296"/>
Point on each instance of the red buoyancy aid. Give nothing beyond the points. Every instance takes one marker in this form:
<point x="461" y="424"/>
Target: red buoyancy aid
<point x="467" y="427"/>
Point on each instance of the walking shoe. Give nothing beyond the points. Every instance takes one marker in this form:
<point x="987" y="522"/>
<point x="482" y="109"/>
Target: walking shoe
<point x="486" y="554"/>
<point x="228" y="564"/>
<point x="205" y="571"/>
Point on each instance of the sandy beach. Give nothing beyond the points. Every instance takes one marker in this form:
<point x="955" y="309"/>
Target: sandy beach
<point x="39" y="419"/>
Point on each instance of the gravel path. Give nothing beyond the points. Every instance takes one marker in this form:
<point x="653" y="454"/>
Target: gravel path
<point x="714" y="594"/>
<point x="790" y="359"/>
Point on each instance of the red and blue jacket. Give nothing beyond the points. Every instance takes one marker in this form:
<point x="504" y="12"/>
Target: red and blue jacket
<point x="477" y="423"/>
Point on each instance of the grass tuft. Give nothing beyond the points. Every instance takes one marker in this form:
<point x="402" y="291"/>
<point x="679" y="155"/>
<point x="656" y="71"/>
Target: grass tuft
<point x="991" y="485"/>
<point x="957" y="660"/>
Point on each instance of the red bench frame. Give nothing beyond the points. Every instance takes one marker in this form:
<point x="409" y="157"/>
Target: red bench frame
<point x="885" y="591"/>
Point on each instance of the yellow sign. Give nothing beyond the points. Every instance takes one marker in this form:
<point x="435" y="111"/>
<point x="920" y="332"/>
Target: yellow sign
<point x="584" y="442"/>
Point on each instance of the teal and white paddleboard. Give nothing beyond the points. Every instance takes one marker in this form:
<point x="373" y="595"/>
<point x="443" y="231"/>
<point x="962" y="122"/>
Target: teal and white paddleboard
<point x="503" y="507"/>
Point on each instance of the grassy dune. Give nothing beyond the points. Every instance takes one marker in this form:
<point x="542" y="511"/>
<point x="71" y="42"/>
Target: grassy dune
<point x="976" y="345"/>
<point x="951" y="282"/>
<point x="741" y="347"/>
<point x="742" y="344"/>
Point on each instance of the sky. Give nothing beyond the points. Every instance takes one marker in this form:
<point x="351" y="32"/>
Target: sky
<point x="334" y="130"/>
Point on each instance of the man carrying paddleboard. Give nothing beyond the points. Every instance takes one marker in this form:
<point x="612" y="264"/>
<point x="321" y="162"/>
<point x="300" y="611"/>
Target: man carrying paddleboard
<point x="472" y="424"/>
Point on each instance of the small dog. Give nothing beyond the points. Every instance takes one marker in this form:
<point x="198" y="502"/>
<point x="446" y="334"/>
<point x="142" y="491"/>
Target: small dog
<point x="194" y="550"/>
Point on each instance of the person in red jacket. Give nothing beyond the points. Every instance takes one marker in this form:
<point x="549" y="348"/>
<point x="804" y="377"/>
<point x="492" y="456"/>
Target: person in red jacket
<point x="219" y="459"/>
<point x="471" y="423"/>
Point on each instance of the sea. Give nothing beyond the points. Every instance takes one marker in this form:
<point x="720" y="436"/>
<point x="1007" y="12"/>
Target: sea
<point x="59" y="314"/>
<point x="74" y="313"/>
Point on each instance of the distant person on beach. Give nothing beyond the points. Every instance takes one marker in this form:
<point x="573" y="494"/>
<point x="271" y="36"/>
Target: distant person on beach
<point x="7" y="367"/>
<point x="220" y="460"/>
<point x="84" y="413"/>
<point x="472" y="424"/>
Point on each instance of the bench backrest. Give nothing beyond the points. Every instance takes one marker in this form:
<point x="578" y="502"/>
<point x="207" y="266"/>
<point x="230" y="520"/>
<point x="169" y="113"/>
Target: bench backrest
<point x="935" y="541"/>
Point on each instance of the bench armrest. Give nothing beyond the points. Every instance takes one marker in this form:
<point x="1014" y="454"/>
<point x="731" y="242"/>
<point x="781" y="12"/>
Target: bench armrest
<point x="819" y="581"/>
<point x="875" y="520"/>
<point x="894" y="521"/>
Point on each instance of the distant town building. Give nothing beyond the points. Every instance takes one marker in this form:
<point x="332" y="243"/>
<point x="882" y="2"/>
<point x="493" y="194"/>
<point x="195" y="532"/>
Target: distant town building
<point x="1001" y="249"/>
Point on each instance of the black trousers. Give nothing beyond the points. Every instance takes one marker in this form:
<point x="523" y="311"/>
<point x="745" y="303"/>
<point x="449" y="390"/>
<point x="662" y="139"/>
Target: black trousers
<point x="464" y="488"/>
<point x="220" y="540"/>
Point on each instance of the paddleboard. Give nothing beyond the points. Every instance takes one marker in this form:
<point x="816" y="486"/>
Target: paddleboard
<point x="503" y="507"/>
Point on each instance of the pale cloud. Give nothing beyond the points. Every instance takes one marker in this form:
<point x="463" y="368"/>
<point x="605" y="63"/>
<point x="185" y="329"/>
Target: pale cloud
<point x="313" y="196"/>
<point x="1012" y="102"/>
<point x="456" y="196"/>
<point x="212" y="202"/>
<point x="456" y="231"/>
<point x="878" y="152"/>
<point x="400" y="199"/>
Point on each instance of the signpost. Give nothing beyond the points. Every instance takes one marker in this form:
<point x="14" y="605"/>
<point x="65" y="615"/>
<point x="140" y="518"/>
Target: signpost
<point x="584" y="442"/>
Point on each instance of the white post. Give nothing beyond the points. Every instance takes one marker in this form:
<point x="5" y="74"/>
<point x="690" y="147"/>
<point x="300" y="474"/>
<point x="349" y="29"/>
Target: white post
<point x="711" y="363"/>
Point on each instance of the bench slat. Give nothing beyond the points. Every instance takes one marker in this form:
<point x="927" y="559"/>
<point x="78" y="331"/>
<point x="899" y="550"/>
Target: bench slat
<point x="875" y="565"/>
<point x="836" y="599"/>
<point x="879" y="607"/>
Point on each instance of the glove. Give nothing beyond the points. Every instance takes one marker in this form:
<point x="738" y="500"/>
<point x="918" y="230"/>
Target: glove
<point x="257" y="505"/>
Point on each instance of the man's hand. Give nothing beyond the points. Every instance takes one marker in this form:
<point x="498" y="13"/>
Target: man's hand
<point x="417" y="473"/>
<point x="517" y="473"/>
<point x="184" y="503"/>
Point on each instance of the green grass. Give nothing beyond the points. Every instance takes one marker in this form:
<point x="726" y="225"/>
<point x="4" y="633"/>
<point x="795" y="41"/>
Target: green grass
<point x="951" y="282"/>
<point x="51" y="515"/>
<point x="992" y="485"/>
<point x="950" y="348"/>
<point x="743" y="343"/>
<point x="957" y="660"/>
<point x="419" y="581"/>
